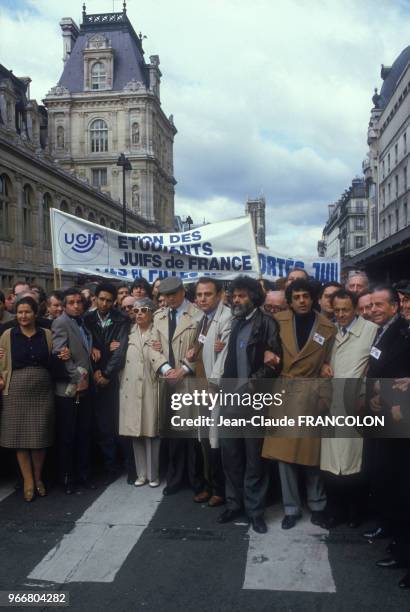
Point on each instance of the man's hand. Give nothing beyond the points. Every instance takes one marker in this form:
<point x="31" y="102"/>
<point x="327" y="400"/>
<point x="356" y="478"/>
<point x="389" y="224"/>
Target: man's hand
<point x="396" y="413"/>
<point x="271" y="359"/>
<point x="190" y="356"/>
<point x="326" y="371"/>
<point x="103" y="382"/>
<point x="156" y="345"/>
<point x="95" y="354"/>
<point x="175" y="375"/>
<point x="219" y="345"/>
<point x="114" y="345"/>
<point x="375" y="403"/>
<point x="83" y="384"/>
<point x="401" y="384"/>
<point x="64" y="354"/>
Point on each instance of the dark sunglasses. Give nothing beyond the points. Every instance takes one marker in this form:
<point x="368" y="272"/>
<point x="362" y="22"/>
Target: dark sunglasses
<point x="142" y="309"/>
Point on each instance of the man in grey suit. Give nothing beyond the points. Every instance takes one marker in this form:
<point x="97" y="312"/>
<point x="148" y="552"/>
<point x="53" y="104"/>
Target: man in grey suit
<point x="73" y="405"/>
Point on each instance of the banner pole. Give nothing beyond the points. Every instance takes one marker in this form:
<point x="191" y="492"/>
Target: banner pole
<point x="256" y="248"/>
<point x="52" y="248"/>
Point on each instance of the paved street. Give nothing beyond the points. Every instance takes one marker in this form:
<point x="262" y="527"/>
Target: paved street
<point x="122" y="548"/>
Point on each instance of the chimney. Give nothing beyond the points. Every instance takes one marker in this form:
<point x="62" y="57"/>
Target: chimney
<point x="70" y="34"/>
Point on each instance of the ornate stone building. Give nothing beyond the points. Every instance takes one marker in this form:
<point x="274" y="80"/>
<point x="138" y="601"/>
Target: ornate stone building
<point x="108" y="102"/>
<point x="31" y="183"/>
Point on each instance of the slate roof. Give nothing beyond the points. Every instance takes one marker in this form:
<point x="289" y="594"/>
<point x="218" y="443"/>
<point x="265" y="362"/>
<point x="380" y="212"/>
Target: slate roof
<point x="128" y="57"/>
<point x="390" y="82"/>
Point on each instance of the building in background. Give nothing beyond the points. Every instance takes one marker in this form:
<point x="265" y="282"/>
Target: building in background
<point x="346" y="230"/>
<point x="107" y="102"/>
<point x="64" y="156"/>
<point x="256" y="209"/>
<point x="386" y="171"/>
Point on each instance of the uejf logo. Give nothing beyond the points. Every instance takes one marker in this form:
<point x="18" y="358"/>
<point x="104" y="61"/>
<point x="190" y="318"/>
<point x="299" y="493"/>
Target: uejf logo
<point x="81" y="246"/>
<point x="82" y="243"/>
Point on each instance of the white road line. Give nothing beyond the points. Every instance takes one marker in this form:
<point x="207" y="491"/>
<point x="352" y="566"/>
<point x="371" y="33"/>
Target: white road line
<point x="6" y="489"/>
<point x="102" y="538"/>
<point x="289" y="560"/>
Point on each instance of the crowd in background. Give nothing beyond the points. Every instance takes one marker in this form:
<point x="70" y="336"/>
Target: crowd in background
<point x="86" y="373"/>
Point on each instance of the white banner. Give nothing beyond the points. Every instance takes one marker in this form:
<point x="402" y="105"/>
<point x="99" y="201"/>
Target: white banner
<point x="274" y="266"/>
<point x="223" y="250"/>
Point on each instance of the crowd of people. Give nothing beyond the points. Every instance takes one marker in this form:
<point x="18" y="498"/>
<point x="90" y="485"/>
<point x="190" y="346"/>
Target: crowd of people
<point x="100" y="363"/>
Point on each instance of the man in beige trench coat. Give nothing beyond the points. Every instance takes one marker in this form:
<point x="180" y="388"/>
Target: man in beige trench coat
<point x="175" y="327"/>
<point x="307" y="339"/>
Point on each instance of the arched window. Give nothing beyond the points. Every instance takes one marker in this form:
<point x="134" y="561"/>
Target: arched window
<point x="112" y="225"/>
<point x="102" y="222"/>
<point x="98" y="76"/>
<point x="27" y="213"/>
<point x="135" y="134"/>
<point x="60" y="137"/>
<point x="5" y="193"/>
<point x="99" y="136"/>
<point x="47" y="203"/>
<point x="91" y="217"/>
<point x="64" y="206"/>
<point x="79" y="212"/>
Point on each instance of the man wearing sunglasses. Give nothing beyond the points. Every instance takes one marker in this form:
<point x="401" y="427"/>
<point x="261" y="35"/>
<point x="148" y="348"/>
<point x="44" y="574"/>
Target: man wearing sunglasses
<point x="127" y="307"/>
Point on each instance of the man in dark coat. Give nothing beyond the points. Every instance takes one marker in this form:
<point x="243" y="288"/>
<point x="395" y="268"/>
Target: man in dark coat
<point x="253" y="333"/>
<point x="108" y="325"/>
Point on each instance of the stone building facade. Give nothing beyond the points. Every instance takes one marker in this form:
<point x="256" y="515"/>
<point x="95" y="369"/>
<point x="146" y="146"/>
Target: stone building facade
<point x="31" y="183"/>
<point x="256" y="208"/>
<point x="107" y="102"/>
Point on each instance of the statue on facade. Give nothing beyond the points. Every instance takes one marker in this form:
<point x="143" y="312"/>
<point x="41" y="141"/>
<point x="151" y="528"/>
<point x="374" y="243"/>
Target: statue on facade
<point x="135" y="199"/>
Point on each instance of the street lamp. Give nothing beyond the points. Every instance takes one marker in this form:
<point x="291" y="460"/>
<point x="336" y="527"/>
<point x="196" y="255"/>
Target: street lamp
<point x="126" y="165"/>
<point x="189" y="222"/>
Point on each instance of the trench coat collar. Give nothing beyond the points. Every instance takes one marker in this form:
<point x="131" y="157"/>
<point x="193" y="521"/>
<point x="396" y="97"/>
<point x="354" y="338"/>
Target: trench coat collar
<point x="321" y="326"/>
<point x="189" y="318"/>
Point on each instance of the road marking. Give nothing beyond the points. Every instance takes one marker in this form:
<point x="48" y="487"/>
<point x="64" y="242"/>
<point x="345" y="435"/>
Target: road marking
<point x="6" y="489"/>
<point x="289" y="560"/>
<point x="102" y="538"/>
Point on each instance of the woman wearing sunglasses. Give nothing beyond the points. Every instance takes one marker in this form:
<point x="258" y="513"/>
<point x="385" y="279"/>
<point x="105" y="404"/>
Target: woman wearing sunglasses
<point x="139" y="397"/>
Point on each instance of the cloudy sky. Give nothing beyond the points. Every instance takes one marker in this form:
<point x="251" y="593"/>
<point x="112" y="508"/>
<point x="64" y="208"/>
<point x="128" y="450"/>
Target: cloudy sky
<point x="268" y="97"/>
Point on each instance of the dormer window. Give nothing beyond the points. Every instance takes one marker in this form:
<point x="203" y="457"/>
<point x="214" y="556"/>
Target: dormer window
<point x="98" y="76"/>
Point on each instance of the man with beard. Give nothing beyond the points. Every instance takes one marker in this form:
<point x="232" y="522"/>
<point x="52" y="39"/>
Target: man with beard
<point x="252" y="334"/>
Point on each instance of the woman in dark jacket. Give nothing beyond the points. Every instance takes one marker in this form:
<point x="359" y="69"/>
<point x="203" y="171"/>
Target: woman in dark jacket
<point x="27" y="413"/>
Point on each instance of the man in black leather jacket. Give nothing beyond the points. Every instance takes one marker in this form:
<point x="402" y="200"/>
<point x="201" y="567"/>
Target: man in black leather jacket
<point x="108" y="325"/>
<point x="253" y="333"/>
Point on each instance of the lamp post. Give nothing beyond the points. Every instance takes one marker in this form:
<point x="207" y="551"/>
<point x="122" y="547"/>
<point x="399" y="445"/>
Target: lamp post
<point x="126" y="165"/>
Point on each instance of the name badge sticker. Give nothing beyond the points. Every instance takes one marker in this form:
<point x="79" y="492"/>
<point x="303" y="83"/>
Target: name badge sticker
<point x="375" y="352"/>
<point x="201" y="338"/>
<point x="319" y="339"/>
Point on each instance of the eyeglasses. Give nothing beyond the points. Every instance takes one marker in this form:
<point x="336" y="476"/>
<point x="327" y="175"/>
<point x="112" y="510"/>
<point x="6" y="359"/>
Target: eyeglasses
<point x="272" y="308"/>
<point x="129" y="307"/>
<point x="142" y="310"/>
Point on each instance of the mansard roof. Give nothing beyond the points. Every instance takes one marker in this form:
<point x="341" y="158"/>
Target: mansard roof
<point x="391" y="76"/>
<point x="127" y="48"/>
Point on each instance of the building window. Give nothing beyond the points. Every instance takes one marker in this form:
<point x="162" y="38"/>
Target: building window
<point x="384" y="228"/>
<point x="388" y="162"/>
<point x="388" y="193"/>
<point x="389" y="220"/>
<point x="358" y="242"/>
<point x="396" y="153"/>
<point x="60" y="137"/>
<point x="374" y="222"/>
<point x="27" y="213"/>
<point x="405" y="177"/>
<point x="64" y="206"/>
<point x="98" y="76"/>
<point x="396" y="184"/>
<point x="99" y="136"/>
<point x="383" y="168"/>
<point x="384" y="197"/>
<point x="112" y="225"/>
<point x="46" y="220"/>
<point x="99" y="176"/>
<point x="359" y="206"/>
<point x="91" y="217"/>
<point x="103" y="222"/>
<point x="135" y="134"/>
<point x="79" y="212"/>
<point x="405" y="219"/>
<point x="359" y="223"/>
<point x="404" y="143"/>
<point x="4" y="205"/>
<point x="397" y="219"/>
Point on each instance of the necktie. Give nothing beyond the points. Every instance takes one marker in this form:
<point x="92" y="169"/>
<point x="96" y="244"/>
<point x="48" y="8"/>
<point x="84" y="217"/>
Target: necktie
<point x="172" y="325"/>
<point x="378" y="334"/>
<point x="344" y="331"/>
<point x="205" y="325"/>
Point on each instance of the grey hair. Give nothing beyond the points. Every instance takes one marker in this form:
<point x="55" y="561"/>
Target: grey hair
<point x="145" y="301"/>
